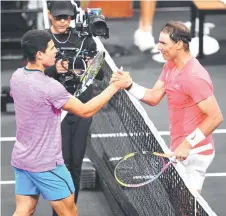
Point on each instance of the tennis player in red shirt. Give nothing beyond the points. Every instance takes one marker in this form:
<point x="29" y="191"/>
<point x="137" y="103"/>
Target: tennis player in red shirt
<point x="193" y="110"/>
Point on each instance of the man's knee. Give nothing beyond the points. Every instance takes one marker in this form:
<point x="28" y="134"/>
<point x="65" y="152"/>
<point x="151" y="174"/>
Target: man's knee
<point x="25" y="205"/>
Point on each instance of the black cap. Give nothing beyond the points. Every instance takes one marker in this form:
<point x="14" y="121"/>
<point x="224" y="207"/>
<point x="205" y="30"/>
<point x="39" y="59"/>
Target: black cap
<point x="61" y="8"/>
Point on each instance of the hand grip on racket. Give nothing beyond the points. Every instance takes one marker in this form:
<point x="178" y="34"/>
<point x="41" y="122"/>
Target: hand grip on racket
<point x="192" y="152"/>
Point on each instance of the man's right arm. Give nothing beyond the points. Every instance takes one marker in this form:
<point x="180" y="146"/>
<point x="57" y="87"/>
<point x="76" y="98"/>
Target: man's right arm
<point x="149" y="96"/>
<point x="91" y="107"/>
<point x="154" y="96"/>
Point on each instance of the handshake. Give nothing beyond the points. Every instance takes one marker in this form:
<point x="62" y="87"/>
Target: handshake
<point x="121" y="79"/>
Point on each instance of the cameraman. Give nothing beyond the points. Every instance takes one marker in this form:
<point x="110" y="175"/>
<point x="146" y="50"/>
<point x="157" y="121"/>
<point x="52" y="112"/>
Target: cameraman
<point x="74" y="129"/>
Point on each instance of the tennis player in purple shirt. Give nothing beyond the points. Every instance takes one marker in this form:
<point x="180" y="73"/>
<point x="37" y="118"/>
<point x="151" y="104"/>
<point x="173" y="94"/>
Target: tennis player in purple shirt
<point x="37" y="155"/>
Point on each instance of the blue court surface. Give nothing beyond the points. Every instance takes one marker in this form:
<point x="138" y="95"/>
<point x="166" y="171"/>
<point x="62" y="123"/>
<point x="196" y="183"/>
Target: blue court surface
<point x="144" y="71"/>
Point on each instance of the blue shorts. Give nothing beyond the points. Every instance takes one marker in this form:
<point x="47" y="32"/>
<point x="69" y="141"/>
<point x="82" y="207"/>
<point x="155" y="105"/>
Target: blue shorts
<point x="55" y="184"/>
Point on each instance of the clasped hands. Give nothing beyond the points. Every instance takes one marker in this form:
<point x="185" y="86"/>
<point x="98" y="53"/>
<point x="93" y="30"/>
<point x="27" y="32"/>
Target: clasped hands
<point x="121" y="79"/>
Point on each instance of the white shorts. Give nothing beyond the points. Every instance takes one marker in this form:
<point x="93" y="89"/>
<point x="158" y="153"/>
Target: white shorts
<point x="193" y="170"/>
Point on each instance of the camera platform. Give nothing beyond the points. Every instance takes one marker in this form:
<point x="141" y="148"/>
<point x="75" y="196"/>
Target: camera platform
<point x="88" y="175"/>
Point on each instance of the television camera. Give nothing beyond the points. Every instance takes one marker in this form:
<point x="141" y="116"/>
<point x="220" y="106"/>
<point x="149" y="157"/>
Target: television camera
<point x="88" y="23"/>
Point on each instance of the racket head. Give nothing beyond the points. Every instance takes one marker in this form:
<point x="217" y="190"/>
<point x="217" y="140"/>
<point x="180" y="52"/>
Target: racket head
<point x="89" y="75"/>
<point x="138" y="169"/>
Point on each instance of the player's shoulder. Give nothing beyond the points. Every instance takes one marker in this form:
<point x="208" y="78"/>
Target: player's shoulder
<point x="52" y="85"/>
<point x="18" y="72"/>
<point x="197" y="69"/>
<point x="197" y="72"/>
<point x="51" y="81"/>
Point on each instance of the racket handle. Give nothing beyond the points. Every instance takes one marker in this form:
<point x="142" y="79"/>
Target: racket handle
<point x="162" y="154"/>
<point x="201" y="149"/>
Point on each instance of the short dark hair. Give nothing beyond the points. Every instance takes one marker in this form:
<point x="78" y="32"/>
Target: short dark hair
<point x="34" y="41"/>
<point x="178" y="32"/>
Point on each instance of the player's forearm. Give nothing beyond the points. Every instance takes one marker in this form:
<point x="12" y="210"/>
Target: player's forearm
<point x="149" y="96"/>
<point x="210" y="123"/>
<point x="152" y="97"/>
<point x="205" y="128"/>
<point x="95" y="104"/>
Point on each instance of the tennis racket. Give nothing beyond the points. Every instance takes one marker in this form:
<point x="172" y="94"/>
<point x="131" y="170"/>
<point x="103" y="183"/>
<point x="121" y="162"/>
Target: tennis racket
<point x="90" y="73"/>
<point x="141" y="168"/>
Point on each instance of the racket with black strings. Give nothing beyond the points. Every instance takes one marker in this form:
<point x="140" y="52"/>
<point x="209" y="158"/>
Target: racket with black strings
<point x="87" y="78"/>
<point x="141" y="168"/>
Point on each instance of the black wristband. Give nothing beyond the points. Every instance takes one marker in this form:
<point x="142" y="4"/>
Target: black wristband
<point x="130" y="86"/>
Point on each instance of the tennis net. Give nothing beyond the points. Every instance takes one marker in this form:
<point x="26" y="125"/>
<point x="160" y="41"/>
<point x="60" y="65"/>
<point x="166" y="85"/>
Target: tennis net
<point x="121" y="127"/>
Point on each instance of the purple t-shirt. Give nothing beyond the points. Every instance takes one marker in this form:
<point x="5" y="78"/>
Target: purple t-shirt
<point x="37" y="100"/>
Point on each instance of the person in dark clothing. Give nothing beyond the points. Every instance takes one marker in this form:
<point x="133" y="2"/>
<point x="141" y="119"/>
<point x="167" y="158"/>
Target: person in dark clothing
<point x="74" y="128"/>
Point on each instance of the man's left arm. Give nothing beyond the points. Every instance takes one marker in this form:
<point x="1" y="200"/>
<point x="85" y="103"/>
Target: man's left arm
<point x="214" y="117"/>
<point x="201" y="92"/>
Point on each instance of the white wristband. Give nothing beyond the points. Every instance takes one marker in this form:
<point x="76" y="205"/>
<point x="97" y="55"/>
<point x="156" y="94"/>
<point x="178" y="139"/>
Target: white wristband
<point x="137" y="91"/>
<point x="195" y="137"/>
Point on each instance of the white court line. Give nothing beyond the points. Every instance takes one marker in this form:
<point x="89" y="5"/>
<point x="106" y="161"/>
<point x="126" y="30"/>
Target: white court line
<point x="217" y="131"/>
<point x="215" y="174"/>
<point x="6" y="182"/>
<point x="161" y="133"/>
<point x="3" y="139"/>
<point x="207" y="175"/>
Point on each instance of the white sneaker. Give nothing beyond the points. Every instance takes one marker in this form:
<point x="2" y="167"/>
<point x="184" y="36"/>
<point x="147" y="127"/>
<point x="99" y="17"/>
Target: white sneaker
<point x="143" y="40"/>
